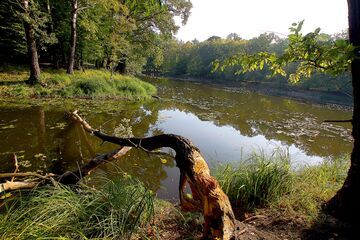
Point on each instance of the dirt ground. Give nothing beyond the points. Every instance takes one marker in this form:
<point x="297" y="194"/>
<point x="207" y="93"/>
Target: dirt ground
<point x="171" y="223"/>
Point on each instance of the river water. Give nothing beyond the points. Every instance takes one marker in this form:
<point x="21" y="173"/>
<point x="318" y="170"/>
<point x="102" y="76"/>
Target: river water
<point x="227" y="125"/>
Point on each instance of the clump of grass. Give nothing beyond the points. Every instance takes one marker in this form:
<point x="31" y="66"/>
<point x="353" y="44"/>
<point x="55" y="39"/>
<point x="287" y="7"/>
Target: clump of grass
<point x="92" y="83"/>
<point x="113" y="212"/>
<point x="271" y="181"/>
<point x="312" y="186"/>
<point x="258" y="181"/>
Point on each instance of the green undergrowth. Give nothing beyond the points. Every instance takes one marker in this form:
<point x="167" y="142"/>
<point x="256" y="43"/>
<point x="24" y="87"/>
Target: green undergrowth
<point x="124" y="207"/>
<point x="272" y="182"/>
<point x="116" y="211"/>
<point x="91" y="83"/>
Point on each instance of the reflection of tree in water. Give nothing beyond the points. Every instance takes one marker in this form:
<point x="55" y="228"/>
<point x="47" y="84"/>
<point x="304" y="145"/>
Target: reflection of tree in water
<point x="148" y="168"/>
<point x="254" y="114"/>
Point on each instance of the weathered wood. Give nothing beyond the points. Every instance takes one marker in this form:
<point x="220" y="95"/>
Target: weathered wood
<point x="208" y="197"/>
<point x="68" y="178"/>
<point x="11" y="186"/>
<point x="26" y="174"/>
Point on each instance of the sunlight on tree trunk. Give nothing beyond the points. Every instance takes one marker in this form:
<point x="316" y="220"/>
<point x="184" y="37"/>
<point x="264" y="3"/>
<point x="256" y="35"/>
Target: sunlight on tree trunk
<point x="345" y="204"/>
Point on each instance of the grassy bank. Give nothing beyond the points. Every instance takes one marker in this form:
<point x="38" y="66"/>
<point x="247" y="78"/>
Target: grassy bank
<point x="270" y="182"/>
<point x="91" y="83"/>
<point x="116" y="211"/>
<point x="125" y="208"/>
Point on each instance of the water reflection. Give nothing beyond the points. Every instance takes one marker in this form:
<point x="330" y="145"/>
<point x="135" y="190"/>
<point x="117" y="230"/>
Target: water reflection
<point x="226" y="125"/>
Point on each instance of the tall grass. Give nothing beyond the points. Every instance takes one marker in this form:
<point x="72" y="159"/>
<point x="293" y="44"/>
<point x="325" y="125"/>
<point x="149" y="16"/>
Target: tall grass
<point x="92" y="83"/>
<point x="112" y="212"/>
<point x="258" y="181"/>
<point x="312" y="186"/>
<point x="271" y="181"/>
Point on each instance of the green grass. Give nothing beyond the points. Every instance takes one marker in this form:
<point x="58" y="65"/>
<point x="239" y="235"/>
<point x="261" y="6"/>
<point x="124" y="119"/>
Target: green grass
<point x="269" y="182"/>
<point x="115" y="211"/>
<point x="256" y="182"/>
<point x="312" y="186"/>
<point x="91" y="83"/>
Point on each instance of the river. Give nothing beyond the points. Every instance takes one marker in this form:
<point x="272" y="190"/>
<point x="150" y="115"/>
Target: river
<point x="227" y="125"/>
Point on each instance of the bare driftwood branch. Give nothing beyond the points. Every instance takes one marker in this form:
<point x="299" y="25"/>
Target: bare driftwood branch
<point x="26" y="174"/>
<point x="66" y="178"/>
<point x="11" y="186"/>
<point x="207" y="197"/>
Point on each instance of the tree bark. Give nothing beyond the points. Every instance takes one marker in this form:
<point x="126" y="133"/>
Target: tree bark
<point x="345" y="204"/>
<point x="74" y="11"/>
<point x="32" y="50"/>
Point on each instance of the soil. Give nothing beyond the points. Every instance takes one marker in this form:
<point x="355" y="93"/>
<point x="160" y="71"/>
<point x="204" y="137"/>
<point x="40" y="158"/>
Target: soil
<point x="171" y="223"/>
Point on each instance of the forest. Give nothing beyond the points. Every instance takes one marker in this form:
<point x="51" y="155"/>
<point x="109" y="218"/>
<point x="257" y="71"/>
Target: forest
<point x="114" y="128"/>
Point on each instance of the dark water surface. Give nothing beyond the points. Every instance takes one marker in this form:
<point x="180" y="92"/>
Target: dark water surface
<point x="227" y="125"/>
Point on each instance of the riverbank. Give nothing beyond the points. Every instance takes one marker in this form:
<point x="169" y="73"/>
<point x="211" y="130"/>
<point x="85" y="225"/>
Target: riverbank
<point x="330" y="99"/>
<point x="82" y="84"/>
<point x="271" y="200"/>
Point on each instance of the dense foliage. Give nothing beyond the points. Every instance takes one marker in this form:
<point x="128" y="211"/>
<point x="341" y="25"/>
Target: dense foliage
<point x="111" y="34"/>
<point x="197" y="59"/>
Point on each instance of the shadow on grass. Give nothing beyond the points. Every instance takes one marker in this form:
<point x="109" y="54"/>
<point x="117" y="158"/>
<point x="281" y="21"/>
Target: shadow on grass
<point x="11" y="83"/>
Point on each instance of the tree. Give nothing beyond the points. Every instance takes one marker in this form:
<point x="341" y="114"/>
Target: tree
<point x="315" y="52"/>
<point x="345" y="204"/>
<point x="74" y="13"/>
<point x="31" y="46"/>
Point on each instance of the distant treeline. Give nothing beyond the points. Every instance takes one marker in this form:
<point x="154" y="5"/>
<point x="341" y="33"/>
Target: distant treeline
<point x="195" y="60"/>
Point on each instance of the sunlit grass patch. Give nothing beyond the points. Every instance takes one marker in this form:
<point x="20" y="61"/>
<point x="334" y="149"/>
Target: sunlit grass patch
<point x="256" y="182"/>
<point x="91" y="83"/>
<point x="271" y="182"/>
<point x="115" y="211"/>
<point x="312" y="186"/>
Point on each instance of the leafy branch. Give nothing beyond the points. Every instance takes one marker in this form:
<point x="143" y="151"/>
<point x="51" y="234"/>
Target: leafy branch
<point x="313" y="52"/>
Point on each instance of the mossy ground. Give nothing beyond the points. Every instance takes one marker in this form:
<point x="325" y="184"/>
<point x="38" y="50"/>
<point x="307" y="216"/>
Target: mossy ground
<point x="88" y="84"/>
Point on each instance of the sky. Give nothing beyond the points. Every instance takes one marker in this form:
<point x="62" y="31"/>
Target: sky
<point x="250" y="18"/>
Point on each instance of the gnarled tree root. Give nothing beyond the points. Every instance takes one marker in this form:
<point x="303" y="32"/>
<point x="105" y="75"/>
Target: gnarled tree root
<point x="207" y="196"/>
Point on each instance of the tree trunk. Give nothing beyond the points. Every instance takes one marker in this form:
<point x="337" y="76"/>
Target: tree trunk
<point x="346" y="203"/>
<point x="32" y="50"/>
<point x="74" y="10"/>
<point x="121" y="67"/>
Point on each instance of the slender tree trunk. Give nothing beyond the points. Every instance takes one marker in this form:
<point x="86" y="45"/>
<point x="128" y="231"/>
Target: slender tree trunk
<point x="32" y="50"/>
<point x="74" y="10"/>
<point x="346" y="203"/>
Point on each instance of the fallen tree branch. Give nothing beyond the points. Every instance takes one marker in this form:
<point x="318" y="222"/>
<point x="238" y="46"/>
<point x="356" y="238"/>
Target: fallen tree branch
<point x="208" y="197"/>
<point x="26" y="174"/>
<point x="68" y="178"/>
<point x="11" y="186"/>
